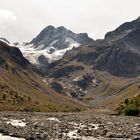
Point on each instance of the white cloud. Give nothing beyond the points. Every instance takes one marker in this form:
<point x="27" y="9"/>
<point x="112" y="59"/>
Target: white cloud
<point x="6" y="16"/>
<point x="7" y="23"/>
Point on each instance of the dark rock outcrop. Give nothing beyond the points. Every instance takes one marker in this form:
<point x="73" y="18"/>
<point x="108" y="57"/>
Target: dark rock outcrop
<point x="12" y="54"/>
<point x="57" y="87"/>
<point x="63" y="71"/>
<point x="84" y="81"/>
<point x="43" y="63"/>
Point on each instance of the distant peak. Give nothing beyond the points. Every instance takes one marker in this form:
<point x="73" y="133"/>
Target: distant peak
<point x="50" y="27"/>
<point x="61" y="28"/>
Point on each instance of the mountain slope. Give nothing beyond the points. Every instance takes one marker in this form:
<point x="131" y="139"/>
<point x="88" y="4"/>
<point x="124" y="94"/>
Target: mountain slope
<point x="119" y="57"/>
<point x="98" y="72"/>
<point x="51" y="44"/>
<point x="21" y="88"/>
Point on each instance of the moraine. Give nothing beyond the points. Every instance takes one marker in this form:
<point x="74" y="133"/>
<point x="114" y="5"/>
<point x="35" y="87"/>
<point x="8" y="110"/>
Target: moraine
<point x="71" y="126"/>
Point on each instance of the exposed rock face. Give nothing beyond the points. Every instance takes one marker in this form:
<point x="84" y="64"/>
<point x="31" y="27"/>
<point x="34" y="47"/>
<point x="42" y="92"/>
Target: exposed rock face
<point x="57" y="87"/>
<point x="119" y="61"/>
<point x="133" y="39"/>
<point x="43" y="63"/>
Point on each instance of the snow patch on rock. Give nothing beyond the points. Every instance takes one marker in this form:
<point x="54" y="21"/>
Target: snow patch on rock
<point x="32" y="54"/>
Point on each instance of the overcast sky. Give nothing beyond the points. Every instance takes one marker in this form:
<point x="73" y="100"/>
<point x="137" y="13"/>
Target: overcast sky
<point x="21" y="20"/>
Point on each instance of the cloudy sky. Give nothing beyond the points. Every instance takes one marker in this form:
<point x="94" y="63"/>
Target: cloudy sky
<point x="21" y="20"/>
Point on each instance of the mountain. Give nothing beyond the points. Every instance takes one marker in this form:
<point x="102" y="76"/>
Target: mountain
<point x="51" y="44"/>
<point x="22" y="88"/>
<point x="123" y="30"/>
<point x="102" y="73"/>
<point x="118" y="53"/>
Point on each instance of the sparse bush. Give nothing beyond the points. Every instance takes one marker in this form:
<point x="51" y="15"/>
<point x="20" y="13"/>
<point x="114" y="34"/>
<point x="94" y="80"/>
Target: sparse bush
<point x="131" y="110"/>
<point x="130" y="107"/>
<point x="126" y="101"/>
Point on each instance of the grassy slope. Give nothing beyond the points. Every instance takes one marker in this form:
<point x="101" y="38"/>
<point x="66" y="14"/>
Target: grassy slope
<point x="36" y="95"/>
<point x="114" y="90"/>
<point x="30" y="93"/>
<point x="23" y="90"/>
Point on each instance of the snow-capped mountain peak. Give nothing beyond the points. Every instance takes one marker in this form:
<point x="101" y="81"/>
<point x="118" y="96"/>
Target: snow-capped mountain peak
<point x="52" y="43"/>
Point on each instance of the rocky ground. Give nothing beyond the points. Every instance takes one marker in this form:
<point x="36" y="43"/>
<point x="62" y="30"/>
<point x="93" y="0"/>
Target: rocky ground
<point x="68" y="126"/>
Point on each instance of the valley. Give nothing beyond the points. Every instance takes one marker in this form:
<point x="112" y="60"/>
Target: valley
<point x="67" y="86"/>
<point x="60" y="70"/>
